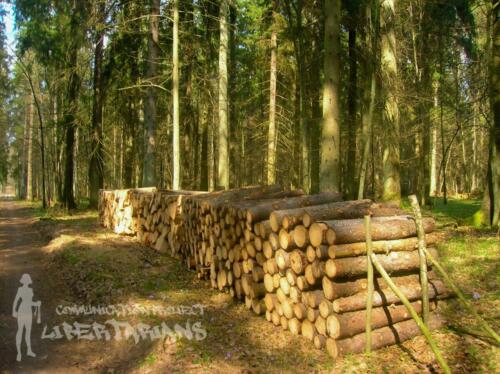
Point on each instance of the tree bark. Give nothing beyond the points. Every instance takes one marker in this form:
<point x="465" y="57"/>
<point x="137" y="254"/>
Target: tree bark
<point x="383" y="228"/>
<point x="391" y="152"/>
<point x="149" y="164"/>
<point x="175" y="98"/>
<point x="385" y="336"/>
<point x="223" y="134"/>
<point x="271" y="135"/>
<point x="96" y="165"/>
<point x="330" y="128"/>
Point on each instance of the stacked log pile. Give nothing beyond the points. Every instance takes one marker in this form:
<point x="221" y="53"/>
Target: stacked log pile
<point x="299" y="259"/>
<point x="321" y="288"/>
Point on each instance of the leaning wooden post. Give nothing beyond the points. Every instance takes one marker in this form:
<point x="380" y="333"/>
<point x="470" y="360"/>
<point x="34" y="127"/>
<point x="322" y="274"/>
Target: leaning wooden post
<point x="370" y="288"/>
<point x="423" y="261"/>
<point x="413" y="313"/>
<point x="462" y="298"/>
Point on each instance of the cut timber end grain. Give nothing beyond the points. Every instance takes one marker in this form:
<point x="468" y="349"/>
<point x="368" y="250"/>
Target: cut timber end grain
<point x="300" y="236"/>
<point x="300" y="311"/>
<point x="319" y="341"/>
<point x="282" y="259"/>
<point x="394" y="334"/>
<point x="294" y="325"/>
<point x="308" y="330"/>
<point x="320" y="233"/>
<point x="298" y="261"/>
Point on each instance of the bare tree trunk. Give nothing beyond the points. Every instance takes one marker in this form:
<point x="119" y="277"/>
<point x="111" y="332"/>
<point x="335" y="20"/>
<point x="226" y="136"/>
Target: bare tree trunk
<point x="349" y="184"/>
<point x="494" y="156"/>
<point x="149" y="164"/>
<point x="96" y="166"/>
<point x="391" y="152"/>
<point x="330" y="129"/>
<point x="223" y="135"/>
<point x="29" y="158"/>
<point x="271" y="135"/>
<point x="372" y="38"/>
<point x="175" y="94"/>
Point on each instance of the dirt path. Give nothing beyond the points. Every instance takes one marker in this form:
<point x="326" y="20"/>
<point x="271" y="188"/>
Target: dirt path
<point x="21" y="253"/>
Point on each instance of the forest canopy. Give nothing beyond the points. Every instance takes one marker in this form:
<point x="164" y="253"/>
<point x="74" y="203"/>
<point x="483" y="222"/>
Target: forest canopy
<point x="377" y="98"/>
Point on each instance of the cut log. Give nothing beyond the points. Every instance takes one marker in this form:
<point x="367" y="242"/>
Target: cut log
<point x="298" y="262"/>
<point x="380" y="246"/>
<point x="383" y="228"/>
<point x="412" y="292"/>
<point x="319" y="233"/>
<point x="262" y="211"/>
<point x="347" y="210"/>
<point x="353" y="323"/>
<point x="385" y="336"/>
<point x="334" y="289"/>
<point x="354" y="266"/>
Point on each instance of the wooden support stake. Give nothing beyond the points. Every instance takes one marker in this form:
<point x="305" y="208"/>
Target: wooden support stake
<point x="414" y="314"/>
<point x="423" y="262"/>
<point x="462" y="298"/>
<point x="370" y="288"/>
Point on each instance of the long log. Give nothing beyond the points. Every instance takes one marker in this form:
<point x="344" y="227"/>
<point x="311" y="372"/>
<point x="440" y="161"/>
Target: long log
<point x="262" y="211"/>
<point x="334" y="289"/>
<point x="385" y="336"/>
<point x="353" y="323"/>
<point x="386" y="297"/>
<point x="383" y="228"/>
<point x="380" y="246"/>
<point x="354" y="266"/>
<point x="347" y="210"/>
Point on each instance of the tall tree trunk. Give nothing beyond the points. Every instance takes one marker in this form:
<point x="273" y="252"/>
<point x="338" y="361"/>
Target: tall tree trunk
<point x="330" y="129"/>
<point x="271" y="135"/>
<point x="349" y="184"/>
<point x="69" y="120"/>
<point x="433" y="165"/>
<point x="149" y="164"/>
<point x="29" y="150"/>
<point x="96" y="166"/>
<point x="494" y="147"/>
<point x="370" y="91"/>
<point x="175" y="97"/>
<point x="223" y="151"/>
<point x="391" y="153"/>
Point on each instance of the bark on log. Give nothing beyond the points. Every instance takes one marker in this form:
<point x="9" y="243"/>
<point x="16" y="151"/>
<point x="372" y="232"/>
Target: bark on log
<point x="354" y="266"/>
<point x="382" y="337"/>
<point x="383" y="228"/>
<point x="353" y="323"/>
<point x="380" y="246"/>
<point x="347" y="210"/>
<point x="386" y="297"/>
<point x="262" y="211"/>
<point x="334" y="289"/>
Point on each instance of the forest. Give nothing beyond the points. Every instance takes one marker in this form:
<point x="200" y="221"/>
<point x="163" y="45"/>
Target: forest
<point x="367" y="97"/>
<point x="320" y="178"/>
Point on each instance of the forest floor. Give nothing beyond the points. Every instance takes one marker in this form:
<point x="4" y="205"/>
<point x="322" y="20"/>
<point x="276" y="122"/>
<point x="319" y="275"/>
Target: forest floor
<point x="72" y="260"/>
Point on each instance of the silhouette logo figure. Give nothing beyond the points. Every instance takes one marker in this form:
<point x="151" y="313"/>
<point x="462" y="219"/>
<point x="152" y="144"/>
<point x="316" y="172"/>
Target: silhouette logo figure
<point x="22" y="309"/>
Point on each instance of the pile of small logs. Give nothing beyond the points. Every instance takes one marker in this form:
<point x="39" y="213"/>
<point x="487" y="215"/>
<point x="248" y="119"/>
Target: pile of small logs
<point x="317" y="287"/>
<point x="299" y="259"/>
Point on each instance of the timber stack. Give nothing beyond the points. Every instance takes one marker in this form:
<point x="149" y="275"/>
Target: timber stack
<point x="298" y="259"/>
